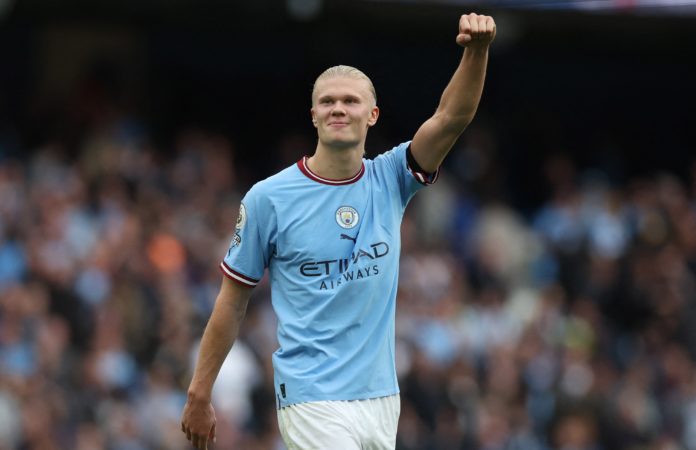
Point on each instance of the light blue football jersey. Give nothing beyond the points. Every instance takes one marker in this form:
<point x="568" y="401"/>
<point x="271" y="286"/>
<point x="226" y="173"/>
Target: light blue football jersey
<point x="332" y="250"/>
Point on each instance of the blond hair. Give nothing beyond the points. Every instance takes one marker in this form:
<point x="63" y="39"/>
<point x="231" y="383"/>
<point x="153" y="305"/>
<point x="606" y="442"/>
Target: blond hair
<point x="345" y="71"/>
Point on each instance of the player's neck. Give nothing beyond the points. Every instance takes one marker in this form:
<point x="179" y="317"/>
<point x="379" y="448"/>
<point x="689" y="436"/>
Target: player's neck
<point x="336" y="164"/>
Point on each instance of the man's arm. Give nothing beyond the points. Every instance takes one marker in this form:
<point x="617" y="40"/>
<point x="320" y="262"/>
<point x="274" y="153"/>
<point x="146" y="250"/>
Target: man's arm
<point x="198" y="419"/>
<point x="460" y="99"/>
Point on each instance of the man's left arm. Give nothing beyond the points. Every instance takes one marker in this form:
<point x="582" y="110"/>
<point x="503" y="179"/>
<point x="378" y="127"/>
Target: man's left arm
<point x="460" y="99"/>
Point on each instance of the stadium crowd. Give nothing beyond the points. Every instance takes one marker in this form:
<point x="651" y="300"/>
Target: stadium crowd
<point x="569" y="327"/>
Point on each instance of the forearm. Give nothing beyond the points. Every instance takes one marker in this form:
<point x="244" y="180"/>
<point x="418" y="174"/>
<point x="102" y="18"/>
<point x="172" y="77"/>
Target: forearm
<point x="457" y="107"/>
<point x="220" y="333"/>
<point x="461" y="97"/>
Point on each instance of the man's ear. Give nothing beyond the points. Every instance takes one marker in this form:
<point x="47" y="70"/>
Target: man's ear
<point x="374" y="115"/>
<point x="314" y="118"/>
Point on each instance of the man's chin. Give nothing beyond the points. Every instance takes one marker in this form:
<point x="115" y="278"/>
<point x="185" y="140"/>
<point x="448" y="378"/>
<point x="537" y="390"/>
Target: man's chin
<point x="340" y="144"/>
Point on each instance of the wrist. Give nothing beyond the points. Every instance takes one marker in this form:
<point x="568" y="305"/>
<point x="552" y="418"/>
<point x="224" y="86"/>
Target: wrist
<point x="197" y="395"/>
<point x="476" y="49"/>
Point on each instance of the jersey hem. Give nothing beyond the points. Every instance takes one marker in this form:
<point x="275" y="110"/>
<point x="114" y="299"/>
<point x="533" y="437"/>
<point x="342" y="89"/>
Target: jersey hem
<point x="284" y="402"/>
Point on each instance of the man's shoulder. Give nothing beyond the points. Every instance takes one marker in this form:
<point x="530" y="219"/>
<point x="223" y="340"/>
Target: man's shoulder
<point x="273" y="183"/>
<point x="389" y="155"/>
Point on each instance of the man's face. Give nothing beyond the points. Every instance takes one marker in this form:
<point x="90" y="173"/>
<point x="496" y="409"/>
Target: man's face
<point x="343" y="108"/>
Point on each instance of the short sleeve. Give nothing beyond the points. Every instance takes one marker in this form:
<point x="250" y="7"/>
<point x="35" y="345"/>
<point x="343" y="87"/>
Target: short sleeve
<point x="251" y="245"/>
<point x="410" y="176"/>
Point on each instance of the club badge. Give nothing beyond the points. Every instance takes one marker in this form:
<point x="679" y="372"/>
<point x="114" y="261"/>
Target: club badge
<point x="347" y="217"/>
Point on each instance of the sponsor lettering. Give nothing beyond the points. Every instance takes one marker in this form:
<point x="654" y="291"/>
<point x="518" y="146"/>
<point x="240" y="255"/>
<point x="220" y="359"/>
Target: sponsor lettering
<point x="329" y="266"/>
<point x="347" y="269"/>
<point x="354" y="274"/>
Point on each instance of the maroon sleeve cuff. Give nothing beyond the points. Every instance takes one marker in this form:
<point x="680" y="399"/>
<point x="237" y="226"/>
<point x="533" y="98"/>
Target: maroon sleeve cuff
<point x="237" y="277"/>
<point x="417" y="171"/>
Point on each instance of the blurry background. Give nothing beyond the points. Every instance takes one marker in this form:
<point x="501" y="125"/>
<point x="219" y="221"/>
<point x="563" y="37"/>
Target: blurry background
<point x="548" y="285"/>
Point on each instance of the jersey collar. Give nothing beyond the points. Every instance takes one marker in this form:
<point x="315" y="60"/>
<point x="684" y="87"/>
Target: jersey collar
<point x="302" y="165"/>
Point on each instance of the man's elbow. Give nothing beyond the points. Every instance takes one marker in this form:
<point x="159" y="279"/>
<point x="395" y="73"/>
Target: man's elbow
<point x="454" y="123"/>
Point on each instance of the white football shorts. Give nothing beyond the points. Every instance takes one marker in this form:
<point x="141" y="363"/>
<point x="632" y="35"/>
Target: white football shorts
<point x="341" y="425"/>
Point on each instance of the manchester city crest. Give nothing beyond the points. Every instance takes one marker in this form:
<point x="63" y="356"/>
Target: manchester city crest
<point x="347" y="217"/>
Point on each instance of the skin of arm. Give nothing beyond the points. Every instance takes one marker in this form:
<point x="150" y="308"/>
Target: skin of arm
<point x="198" y="419"/>
<point x="460" y="99"/>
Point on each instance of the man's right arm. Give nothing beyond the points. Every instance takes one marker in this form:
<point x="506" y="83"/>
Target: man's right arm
<point x="198" y="420"/>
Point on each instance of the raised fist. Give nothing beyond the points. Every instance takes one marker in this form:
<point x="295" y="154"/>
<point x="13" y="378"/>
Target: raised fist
<point x="476" y="30"/>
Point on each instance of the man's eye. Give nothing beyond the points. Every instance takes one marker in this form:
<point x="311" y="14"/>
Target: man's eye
<point x="326" y="102"/>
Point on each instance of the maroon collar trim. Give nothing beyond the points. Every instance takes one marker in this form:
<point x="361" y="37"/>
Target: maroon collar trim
<point x="302" y="165"/>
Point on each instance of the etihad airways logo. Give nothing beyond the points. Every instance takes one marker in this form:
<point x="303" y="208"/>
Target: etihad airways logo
<point x="332" y="266"/>
<point x="331" y="273"/>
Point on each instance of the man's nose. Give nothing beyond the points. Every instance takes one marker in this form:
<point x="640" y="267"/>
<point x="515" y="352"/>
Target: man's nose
<point x="338" y="109"/>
